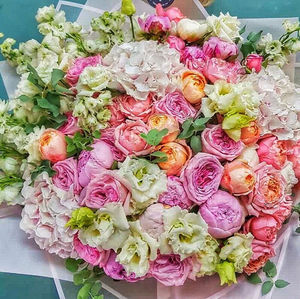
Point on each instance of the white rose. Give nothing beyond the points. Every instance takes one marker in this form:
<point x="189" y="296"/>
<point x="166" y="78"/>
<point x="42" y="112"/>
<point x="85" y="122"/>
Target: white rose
<point x="191" y="30"/>
<point x="45" y="14"/>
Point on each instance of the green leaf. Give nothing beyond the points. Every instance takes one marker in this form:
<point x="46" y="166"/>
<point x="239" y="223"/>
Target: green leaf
<point x="98" y="297"/>
<point x="56" y="76"/>
<point x="54" y="99"/>
<point x="64" y="90"/>
<point x="72" y="264"/>
<point x="154" y="136"/>
<point x="242" y="30"/>
<point x="25" y="99"/>
<point x="160" y="157"/>
<point x="297" y="230"/>
<point x="44" y="166"/>
<point x="254" y="278"/>
<point x="196" y="144"/>
<point x="200" y="122"/>
<point x="34" y="75"/>
<point x="266" y="287"/>
<point x="84" y="291"/>
<point x="78" y="143"/>
<point x="187" y="123"/>
<point x="45" y="104"/>
<point x="247" y="48"/>
<point x="279" y="283"/>
<point x="95" y="288"/>
<point x="254" y="37"/>
<point x="270" y="269"/>
<point x="80" y="277"/>
<point x="114" y="165"/>
<point x="96" y="134"/>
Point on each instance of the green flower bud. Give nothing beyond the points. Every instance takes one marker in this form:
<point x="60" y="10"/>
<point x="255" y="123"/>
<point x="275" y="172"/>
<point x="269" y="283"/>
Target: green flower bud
<point x="226" y="272"/>
<point x="128" y="8"/>
<point x="81" y="218"/>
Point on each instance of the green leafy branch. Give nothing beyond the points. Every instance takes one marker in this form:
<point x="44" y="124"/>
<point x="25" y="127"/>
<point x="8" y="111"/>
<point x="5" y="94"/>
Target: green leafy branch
<point x="9" y="151"/>
<point x="86" y="277"/>
<point x="44" y="166"/>
<point x="9" y="180"/>
<point x="270" y="271"/>
<point x="250" y="45"/>
<point x="154" y="136"/>
<point x="191" y="132"/>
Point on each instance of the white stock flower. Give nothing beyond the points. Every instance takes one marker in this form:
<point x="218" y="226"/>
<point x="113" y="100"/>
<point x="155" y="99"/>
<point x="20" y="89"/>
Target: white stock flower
<point x="32" y="146"/>
<point x="45" y="14"/>
<point x="264" y="40"/>
<point x="52" y="43"/>
<point x="26" y="88"/>
<point x="30" y="47"/>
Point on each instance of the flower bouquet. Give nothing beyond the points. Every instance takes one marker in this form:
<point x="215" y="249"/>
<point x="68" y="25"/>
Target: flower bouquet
<point x="152" y="146"/>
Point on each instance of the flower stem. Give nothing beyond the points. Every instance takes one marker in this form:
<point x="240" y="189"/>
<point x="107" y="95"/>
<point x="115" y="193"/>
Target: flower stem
<point x="132" y="28"/>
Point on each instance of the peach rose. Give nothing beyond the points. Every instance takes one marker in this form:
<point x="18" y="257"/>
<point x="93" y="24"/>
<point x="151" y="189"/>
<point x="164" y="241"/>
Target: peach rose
<point x="164" y="121"/>
<point x="193" y="84"/>
<point x="53" y="146"/>
<point x="179" y="153"/>
<point x="250" y="134"/>
<point x="238" y="178"/>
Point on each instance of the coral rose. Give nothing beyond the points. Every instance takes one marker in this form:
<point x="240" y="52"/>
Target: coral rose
<point x="117" y="117"/>
<point x="250" y="134"/>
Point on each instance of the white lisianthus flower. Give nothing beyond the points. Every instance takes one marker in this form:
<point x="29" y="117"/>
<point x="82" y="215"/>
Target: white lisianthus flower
<point x="45" y="14"/>
<point x="185" y="233"/>
<point x="191" y="30"/>
<point x="137" y="251"/>
<point x="294" y="45"/>
<point x="274" y="47"/>
<point x="147" y="182"/>
<point x="289" y="26"/>
<point x="264" y="40"/>
<point x="32" y="146"/>
<point x="11" y="194"/>
<point x="237" y="250"/>
<point x="225" y="27"/>
<point x="52" y="43"/>
<point x="30" y="47"/>
<point x="109" y="230"/>
<point x="277" y="59"/>
<point x="10" y="165"/>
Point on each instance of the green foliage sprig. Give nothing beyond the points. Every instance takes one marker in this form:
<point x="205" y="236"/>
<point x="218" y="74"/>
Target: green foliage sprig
<point x="44" y="166"/>
<point x="154" y="136"/>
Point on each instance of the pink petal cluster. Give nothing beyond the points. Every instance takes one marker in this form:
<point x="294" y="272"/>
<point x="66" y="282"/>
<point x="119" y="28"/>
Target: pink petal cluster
<point x="79" y="65"/>
<point x="215" y="47"/>
<point x="155" y="24"/>
<point x="223" y="214"/>
<point x="176" y="43"/>
<point x="70" y="127"/>
<point x="194" y="58"/>
<point x="172" y="13"/>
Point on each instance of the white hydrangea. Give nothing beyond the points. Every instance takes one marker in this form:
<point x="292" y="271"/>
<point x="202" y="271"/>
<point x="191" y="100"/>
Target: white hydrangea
<point x="47" y="210"/>
<point x="32" y="147"/>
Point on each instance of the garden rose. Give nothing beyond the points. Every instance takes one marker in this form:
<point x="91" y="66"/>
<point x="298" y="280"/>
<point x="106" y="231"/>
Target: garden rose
<point x="66" y="175"/>
<point x="215" y="141"/>
<point x="176" y="43"/>
<point x="193" y="84"/>
<point x="117" y="117"/>
<point x="170" y="270"/>
<point x="285" y="209"/>
<point x="193" y="58"/>
<point x="238" y="178"/>
<point x="53" y="146"/>
<point x="128" y="138"/>
<point x="223" y="214"/>
<point x="152" y="220"/>
<point x="254" y="62"/>
<point x="94" y="161"/>
<point x="272" y="151"/>
<point x="79" y="65"/>
<point x="103" y="188"/>
<point x="250" y="134"/>
<point x="293" y="156"/>
<point x="178" y="154"/>
<point x="173" y="13"/>
<point x="264" y="228"/>
<point x="262" y="252"/>
<point x="216" y="47"/>
<point x="201" y="177"/>
<point x="268" y="191"/>
<point x="155" y="24"/>
<point x="175" y="195"/>
<point x="218" y="69"/>
<point x="91" y="255"/>
<point x="70" y="127"/>
<point x="191" y="30"/>
<point x="249" y="156"/>
<point x="176" y="105"/>
<point x="164" y="121"/>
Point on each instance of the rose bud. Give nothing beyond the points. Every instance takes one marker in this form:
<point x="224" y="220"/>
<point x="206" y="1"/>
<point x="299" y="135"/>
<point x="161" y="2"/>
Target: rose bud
<point x="193" y="84"/>
<point x="238" y="178"/>
<point x="53" y="146"/>
<point x="164" y="121"/>
<point x="250" y="134"/>
<point x="191" y="30"/>
<point x="249" y="156"/>
<point x="273" y="152"/>
<point x="178" y="154"/>
<point x="223" y="214"/>
<point x="254" y="61"/>
<point x="264" y="228"/>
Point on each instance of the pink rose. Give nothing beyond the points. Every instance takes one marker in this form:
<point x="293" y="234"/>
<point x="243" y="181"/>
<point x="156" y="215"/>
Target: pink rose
<point x="176" y="43"/>
<point x="108" y="136"/>
<point x="155" y="24"/>
<point x="170" y="270"/>
<point x="194" y="58"/>
<point x="268" y="192"/>
<point x="272" y="151"/>
<point x="92" y="162"/>
<point x="223" y="214"/>
<point x="285" y="209"/>
<point x="152" y="220"/>
<point x="254" y="61"/>
<point x="293" y="156"/>
<point x="117" y="117"/>
<point x="135" y="109"/>
<point x="116" y="271"/>
<point x="79" y="65"/>
<point x="262" y="252"/>
<point x="215" y="141"/>
<point x="215" y="47"/>
<point x="218" y="69"/>
<point x="103" y="188"/>
<point x="66" y="175"/>
<point x="264" y="228"/>
<point x="172" y="13"/>
<point x="175" y="195"/>
<point x="128" y="138"/>
<point x="70" y="127"/>
<point x="91" y="255"/>
<point x="201" y="178"/>
<point x="176" y="105"/>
